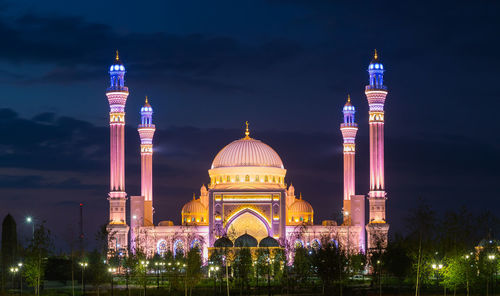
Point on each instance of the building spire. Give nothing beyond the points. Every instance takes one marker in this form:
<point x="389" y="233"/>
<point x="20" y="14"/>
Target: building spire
<point x="117" y="55"/>
<point x="375" y="55"/>
<point x="348" y="98"/>
<point x="146" y="102"/>
<point x="247" y="132"/>
<point x="194" y="196"/>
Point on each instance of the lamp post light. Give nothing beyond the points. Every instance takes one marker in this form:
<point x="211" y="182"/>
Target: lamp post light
<point x="437" y="268"/>
<point x="112" y="271"/>
<point x="145" y="266"/>
<point x="226" y="262"/>
<point x="20" y="266"/>
<point x="13" y="270"/>
<point x="31" y="221"/>
<point x="491" y="258"/>
<point x="83" y="265"/>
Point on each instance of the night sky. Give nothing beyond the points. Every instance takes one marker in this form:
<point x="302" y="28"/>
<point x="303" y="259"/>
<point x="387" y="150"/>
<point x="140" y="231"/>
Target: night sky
<point x="208" y="66"/>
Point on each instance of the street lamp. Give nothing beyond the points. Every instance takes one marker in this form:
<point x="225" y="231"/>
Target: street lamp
<point x="112" y="271"/>
<point x="226" y="262"/>
<point x="20" y="265"/>
<point x="83" y="266"/>
<point x="145" y="266"/>
<point x="491" y="258"/>
<point x="437" y="268"/>
<point x="31" y="221"/>
<point x="13" y="270"/>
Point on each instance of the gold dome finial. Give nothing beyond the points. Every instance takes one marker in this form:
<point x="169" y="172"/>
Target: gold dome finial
<point x="300" y="195"/>
<point x="117" y="56"/>
<point x="348" y="98"/>
<point x="375" y="55"/>
<point x="146" y="100"/>
<point x="194" y="196"/>
<point x="247" y="132"/>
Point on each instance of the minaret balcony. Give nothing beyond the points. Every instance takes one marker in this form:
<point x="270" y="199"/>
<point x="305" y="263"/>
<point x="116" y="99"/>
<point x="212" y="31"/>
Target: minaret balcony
<point x="376" y="87"/>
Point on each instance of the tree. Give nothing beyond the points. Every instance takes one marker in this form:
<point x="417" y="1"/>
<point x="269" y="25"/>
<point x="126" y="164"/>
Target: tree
<point x="262" y="264"/>
<point x="302" y="264"/>
<point x="36" y="255"/>
<point x="456" y="272"/>
<point x="329" y="262"/>
<point x="193" y="268"/>
<point x="9" y="246"/>
<point x="279" y="265"/>
<point x="243" y="267"/>
<point x="98" y="273"/>
<point x="396" y="260"/>
<point x="422" y="224"/>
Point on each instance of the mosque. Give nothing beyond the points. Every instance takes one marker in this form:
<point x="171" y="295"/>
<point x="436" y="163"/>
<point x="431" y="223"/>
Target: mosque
<point x="247" y="202"/>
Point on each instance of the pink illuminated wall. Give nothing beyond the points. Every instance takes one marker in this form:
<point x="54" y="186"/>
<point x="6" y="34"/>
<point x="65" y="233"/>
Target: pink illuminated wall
<point x="376" y="93"/>
<point x="349" y="130"/>
<point x="117" y="94"/>
<point x="146" y="132"/>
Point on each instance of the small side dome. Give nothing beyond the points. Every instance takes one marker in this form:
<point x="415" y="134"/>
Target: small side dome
<point x="376" y="64"/>
<point x="246" y="240"/>
<point x="223" y="242"/>
<point x="268" y="242"/>
<point x="147" y="107"/>
<point x="301" y="206"/>
<point x="489" y="242"/>
<point x="194" y="207"/>
<point x="348" y="106"/>
<point x="117" y="64"/>
<point x="166" y="223"/>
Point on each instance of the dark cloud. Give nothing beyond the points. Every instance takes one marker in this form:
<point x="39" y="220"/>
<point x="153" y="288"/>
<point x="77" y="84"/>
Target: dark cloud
<point x="68" y="159"/>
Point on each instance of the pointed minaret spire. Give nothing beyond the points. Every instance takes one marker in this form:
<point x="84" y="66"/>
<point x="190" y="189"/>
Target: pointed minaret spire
<point x="376" y="93"/>
<point x="247" y="131"/>
<point x="375" y="55"/>
<point x="146" y="132"/>
<point x="349" y="129"/>
<point x="117" y="94"/>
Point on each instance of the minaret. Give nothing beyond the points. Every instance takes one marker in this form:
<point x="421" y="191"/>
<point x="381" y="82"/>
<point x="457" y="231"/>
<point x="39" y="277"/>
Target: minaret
<point x="117" y="94"/>
<point x="349" y="130"/>
<point x="376" y="93"/>
<point x="146" y="132"/>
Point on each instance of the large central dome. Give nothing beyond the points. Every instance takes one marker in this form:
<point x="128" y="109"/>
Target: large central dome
<point x="247" y="163"/>
<point x="247" y="152"/>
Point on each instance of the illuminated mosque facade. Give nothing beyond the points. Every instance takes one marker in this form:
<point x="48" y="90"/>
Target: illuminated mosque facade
<point x="247" y="202"/>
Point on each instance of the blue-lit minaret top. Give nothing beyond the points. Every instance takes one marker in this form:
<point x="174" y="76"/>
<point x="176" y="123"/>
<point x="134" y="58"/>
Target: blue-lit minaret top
<point x="349" y="111"/>
<point x="146" y="114"/>
<point x="376" y="70"/>
<point x="117" y="75"/>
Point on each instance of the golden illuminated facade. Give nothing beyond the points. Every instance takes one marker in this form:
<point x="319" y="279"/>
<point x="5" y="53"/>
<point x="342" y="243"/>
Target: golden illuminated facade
<point x="247" y="200"/>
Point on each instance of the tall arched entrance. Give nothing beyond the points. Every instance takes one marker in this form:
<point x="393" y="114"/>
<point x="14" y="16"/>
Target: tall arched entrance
<point x="247" y="222"/>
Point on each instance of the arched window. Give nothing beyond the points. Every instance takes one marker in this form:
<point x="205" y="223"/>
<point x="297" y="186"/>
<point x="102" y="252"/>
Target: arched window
<point x="247" y="178"/>
<point x="237" y="178"/>
<point x="274" y="179"/>
<point x="228" y="179"/>
<point x="162" y="247"/>
<point x="192" y="219"/>
<point x="266" y="179"/>
<point x="196" y="244"/>
<point x="315" y="244"/>
<point x="257" y="178"/>
<point x="298" y="244"/>
<point x="178" y="248"/>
